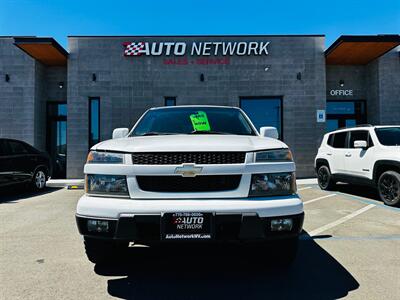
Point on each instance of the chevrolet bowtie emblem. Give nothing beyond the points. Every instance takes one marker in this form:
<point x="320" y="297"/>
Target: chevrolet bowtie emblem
<point x="188" y="170"/>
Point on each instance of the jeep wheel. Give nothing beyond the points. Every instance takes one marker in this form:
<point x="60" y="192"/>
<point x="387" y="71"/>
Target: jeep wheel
<point x="325" y="180"/>
<point x="39" y="180"/>
<point x="101" y="251"/>
<point x="389" y="188"/>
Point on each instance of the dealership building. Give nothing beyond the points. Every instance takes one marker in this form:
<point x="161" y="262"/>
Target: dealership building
<point x="65" y="101"/>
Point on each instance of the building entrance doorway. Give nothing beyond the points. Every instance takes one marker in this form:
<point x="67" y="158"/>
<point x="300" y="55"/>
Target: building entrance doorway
<point x="340" y="114"/>
<point x="57" y="137"/>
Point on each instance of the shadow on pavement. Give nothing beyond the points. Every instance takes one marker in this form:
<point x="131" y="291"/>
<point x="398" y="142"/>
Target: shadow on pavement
<point x="227" y="273"/>
<point x="358" y="190"/>
<point x="16" y="193"/>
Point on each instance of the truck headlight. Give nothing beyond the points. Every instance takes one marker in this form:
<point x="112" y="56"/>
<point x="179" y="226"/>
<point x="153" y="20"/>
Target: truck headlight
<point x="106" y="185"/>
<point x="273" y="155"/>
<point x="97" y="157"/>
<point x="273" y="184"/>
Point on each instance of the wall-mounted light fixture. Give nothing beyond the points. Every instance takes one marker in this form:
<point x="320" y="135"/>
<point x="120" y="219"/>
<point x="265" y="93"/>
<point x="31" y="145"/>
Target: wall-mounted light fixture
<point x="267" y="68"/>
<point x="201" y="77"/>
<point x="7" y="78"/>
<point x="341" y="82"/>
<point x="61" y="84"/>
<point x="94" y="77"/>
<point x="298" y="76"/>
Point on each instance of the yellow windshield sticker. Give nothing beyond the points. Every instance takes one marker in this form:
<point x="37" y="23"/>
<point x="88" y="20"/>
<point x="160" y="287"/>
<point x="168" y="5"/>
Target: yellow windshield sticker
<point x="200" y="121"/>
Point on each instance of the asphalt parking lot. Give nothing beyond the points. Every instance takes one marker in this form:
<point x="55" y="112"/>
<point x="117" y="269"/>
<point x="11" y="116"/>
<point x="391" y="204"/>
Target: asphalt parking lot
<point x="350" y="248"/>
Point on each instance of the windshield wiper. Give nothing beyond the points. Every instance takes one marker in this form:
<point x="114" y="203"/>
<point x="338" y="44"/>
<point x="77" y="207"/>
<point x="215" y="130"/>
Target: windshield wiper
<point x="207" y="132"/>
<point x="192" y="132"/>
<point x="155" y="133"/>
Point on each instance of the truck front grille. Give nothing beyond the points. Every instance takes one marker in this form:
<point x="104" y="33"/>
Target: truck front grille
<point x="179" y="184"/>
<point x="177" y="158"/>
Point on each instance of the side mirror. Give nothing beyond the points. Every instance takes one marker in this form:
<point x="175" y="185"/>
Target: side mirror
<point x="120" y="133"/>
<point x="360" y="144"/>
<point x="270" y="132"/>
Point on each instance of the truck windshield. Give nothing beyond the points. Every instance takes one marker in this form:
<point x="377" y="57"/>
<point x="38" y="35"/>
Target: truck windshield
<point x="193" y="120"/>
<point x="388" y="136"/>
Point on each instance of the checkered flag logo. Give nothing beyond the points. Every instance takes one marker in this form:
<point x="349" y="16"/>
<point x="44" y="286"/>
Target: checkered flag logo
<point x="133" y="49"/>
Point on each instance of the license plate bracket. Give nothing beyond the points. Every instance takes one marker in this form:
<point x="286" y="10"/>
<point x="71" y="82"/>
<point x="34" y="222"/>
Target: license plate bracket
<point x="187" y="226"/>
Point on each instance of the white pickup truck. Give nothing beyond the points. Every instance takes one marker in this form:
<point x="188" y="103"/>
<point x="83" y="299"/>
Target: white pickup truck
<point x="192" y="174"/>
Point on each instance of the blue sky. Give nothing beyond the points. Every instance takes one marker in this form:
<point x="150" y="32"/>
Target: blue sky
<point x="59" y="19"/>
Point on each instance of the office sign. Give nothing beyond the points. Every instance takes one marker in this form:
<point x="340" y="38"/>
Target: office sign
<point x="341" y="92"/>
<point x="139" y="48"/>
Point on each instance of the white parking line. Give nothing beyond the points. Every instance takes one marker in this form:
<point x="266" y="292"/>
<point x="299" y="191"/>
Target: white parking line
<point x="304" y="188"/>
<point x="341" y="220"/>
<point x="319" y="198"/>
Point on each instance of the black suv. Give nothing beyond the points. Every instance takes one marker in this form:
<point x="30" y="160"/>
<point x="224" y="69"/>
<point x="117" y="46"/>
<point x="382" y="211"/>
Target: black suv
<point x="22" y="163"/>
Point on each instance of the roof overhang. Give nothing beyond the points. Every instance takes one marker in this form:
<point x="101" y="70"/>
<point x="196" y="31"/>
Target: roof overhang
<point x="46" y="50"/>
<point x="360" y="50"/>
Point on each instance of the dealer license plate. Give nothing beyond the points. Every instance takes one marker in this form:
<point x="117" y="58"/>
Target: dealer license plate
<point x="187" y="226"/>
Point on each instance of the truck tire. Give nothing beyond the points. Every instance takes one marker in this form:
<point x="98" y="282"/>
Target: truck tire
<point x="325" y="180"/>
<point x="101" y="251"/>
<point x="389" y="188"/>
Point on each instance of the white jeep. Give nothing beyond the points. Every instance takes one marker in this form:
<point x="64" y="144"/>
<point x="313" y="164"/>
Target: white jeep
<point x="190" y="174"/>
<point x="365" y="155"/>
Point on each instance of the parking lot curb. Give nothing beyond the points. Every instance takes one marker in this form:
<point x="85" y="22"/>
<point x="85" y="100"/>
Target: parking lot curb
<point x="306" y="181"/>
<point x="62" y="183"/>
<point x="75" y="187"/>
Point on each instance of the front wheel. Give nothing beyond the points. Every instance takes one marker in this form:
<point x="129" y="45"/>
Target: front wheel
<point x="39" y="180"/>
<point x="325" y="180"/>
<point x="389" y="188"/>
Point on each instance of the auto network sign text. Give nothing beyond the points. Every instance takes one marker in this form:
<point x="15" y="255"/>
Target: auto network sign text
<point x="195" y="48"/>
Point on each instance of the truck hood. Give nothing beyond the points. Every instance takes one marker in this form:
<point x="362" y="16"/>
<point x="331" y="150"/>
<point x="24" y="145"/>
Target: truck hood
<point x="190" y="143"/>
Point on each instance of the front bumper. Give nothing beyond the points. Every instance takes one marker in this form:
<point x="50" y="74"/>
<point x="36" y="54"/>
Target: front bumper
<point x="234" y="219"/>
<point x="232" y="227"/>
<point x="113" y="208"/>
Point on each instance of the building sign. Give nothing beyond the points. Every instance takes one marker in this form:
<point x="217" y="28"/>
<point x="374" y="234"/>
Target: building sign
<point x="341" y="92"/>
<point x="197" y="61"/>
<point x="195" y="48"/>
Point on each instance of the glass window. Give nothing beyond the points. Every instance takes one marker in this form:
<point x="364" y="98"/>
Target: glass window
<point x="341" y="114"/>
<point x="62" y="110"/>
<point x="55" y="109"/>
<point x="358" y="135"/>
<point x="94" y="121"/>
<point x="339" y="141"/>
<point x="264" y="112"/>
<point x="388" y="136"/>
<point x="17" y="147"/>
<point x="57" y="137"/>
<point x="184" y="120"/>
<point x="330" y="140"/>
<point x="332" y="125"/>
<point x="170" y="101"/>
<point x="61" y="142"/>
<point x="351" y="123"/>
